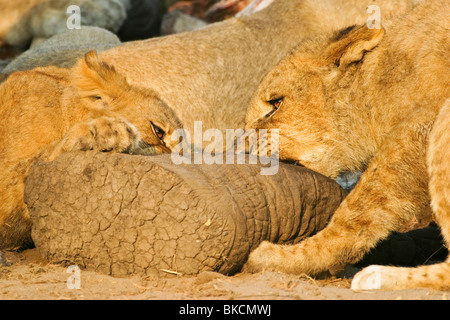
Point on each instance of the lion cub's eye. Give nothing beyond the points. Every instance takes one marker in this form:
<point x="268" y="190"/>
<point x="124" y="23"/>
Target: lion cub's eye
<point x="95" y="98"/>
<point x="160" y="133"/>
<point x="276" y="103"/>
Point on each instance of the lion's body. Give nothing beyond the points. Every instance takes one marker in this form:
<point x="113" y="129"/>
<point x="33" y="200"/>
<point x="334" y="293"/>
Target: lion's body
<point x="209" y="75"/>
<point x="47" y="111"/>
<point x="364" y="100"/>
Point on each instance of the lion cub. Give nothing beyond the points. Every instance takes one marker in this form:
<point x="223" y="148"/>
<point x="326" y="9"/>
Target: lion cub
<point x="366" y="99"/>
<point x="47" y="111"/>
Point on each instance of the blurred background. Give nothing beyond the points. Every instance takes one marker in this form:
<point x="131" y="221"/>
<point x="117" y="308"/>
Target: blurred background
<point x="23" y="23"/>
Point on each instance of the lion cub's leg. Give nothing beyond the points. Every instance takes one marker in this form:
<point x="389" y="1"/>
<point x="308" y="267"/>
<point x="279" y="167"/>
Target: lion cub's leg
<point x="433" y="276"/>
<point x="102" y="133"/>
<point x="391" y="191"/>
<point x="15" y="224"/>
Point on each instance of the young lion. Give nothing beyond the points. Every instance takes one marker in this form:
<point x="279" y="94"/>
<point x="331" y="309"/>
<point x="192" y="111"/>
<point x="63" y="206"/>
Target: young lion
<point x="210" y="74"/>
<point x="366" y="100"/>
<point x="47" y="111"/>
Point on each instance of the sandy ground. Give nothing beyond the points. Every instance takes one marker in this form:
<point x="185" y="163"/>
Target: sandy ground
<point x="30" y="277"/>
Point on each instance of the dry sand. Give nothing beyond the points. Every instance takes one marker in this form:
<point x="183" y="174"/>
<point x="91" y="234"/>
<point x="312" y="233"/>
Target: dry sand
<point x="31" y="277"/>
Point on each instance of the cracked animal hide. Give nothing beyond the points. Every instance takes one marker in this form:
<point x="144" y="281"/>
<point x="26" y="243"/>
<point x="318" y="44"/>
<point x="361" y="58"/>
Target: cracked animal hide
<point x="124" y="215"/>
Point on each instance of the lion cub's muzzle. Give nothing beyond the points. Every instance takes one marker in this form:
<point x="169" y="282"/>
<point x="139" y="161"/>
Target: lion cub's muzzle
<point x="145" y="149"/>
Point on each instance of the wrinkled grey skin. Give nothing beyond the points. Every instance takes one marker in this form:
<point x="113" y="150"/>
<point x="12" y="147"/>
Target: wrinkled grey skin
<point x="123" y="215"/>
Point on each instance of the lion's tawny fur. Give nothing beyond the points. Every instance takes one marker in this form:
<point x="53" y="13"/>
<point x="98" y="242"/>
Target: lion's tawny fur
<point x="365" y="99"/>
<point x="47" y="111"/>
<point x="209" y="75"/>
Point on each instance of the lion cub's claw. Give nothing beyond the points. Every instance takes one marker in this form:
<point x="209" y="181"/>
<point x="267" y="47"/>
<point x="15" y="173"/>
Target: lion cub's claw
<point x="103" y="134"/>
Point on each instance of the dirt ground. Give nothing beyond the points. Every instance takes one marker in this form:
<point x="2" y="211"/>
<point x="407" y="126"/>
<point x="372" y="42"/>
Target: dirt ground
<point x="28" y="276"/>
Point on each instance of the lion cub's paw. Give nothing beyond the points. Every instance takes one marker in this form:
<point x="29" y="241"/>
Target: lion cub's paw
<point x="103" y="134"/>
<point x="367" y="279"/>
<point x="379" y="277"/>
<point x="261" y="259"/>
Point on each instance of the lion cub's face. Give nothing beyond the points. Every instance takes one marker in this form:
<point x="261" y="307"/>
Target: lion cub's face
<point x="104" y="90"/>
<point x="291" y="98"/>
<point x="299" y="97"/>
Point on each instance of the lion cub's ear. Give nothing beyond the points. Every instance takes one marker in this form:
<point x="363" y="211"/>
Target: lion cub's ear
<point x="98" y="81"/>
<point x="352" y="44"/>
